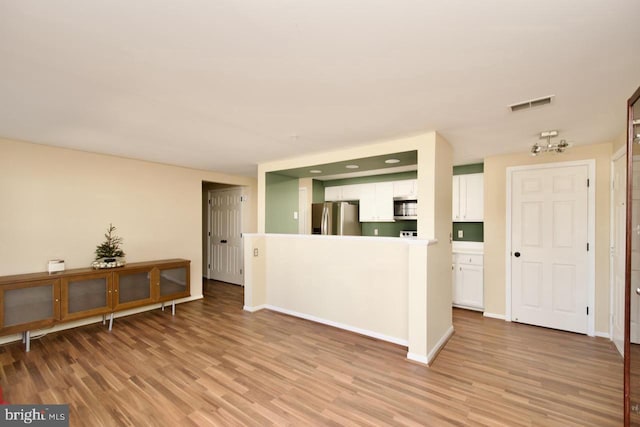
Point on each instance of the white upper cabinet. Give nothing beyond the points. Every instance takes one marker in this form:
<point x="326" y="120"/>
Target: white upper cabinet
<point x="376" y="199"/>
<point x="333" y="194"/>
<point x="406" y="189"/>
<point x="376" y="203"/>
<point x="468" y="198"/>
<point x="353" y="192"/>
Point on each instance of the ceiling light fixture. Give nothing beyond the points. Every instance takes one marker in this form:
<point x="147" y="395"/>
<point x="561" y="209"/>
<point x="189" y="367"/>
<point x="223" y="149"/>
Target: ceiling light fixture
<point x="315" y="171"/>
<point x="391" y="161"/>
<point x="549" y="147"/>
<point x="352" y="166"/>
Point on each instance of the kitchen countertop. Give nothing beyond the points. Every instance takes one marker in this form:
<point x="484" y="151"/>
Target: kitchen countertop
<point x="408" y="241"/>
<point x="468" y="248"/>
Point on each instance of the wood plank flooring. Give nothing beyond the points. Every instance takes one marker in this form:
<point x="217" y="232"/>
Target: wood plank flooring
<point x="214" y="364"/>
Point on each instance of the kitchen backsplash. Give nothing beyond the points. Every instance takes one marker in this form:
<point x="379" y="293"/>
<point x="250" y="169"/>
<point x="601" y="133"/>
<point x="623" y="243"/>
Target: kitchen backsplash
<point x="472" y="231"/>
<point x="387" y="229"/>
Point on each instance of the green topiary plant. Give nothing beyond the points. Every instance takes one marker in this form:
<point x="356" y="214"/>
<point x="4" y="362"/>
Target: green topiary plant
<point x="111" y="246"/>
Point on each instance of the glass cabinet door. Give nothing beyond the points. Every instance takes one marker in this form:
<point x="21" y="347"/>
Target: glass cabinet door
<point x="86" y="295"/>
<point x="30" y="305"/>
<point x="173" y="282"/>
<point x="132" y="288"/>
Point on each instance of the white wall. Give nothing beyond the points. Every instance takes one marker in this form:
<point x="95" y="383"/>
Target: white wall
<point x="58" y="203"/>
<point x="495" y="237"/>
<point x="428" y="274"/>
<point x="353" y="281"/>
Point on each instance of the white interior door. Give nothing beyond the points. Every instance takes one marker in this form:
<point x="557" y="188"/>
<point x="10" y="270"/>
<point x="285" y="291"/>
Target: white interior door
<point x="618" y="250"/>
<point x="225" y="241"/>
<point x="549" y="236"/>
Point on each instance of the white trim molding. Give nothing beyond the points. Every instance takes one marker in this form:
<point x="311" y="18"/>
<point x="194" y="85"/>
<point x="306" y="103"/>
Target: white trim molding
<point x="382" y="337"/>
<point x="494" y="316"/>
<point x="251" y="309"/>
<point x="418" y="358"/>
<point x="439" y="345"/>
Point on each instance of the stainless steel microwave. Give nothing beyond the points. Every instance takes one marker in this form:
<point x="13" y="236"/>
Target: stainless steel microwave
<point x="405" y="209"/>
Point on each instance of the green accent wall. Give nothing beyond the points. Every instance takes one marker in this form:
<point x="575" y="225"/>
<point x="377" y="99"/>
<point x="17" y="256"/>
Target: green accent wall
<point x="472" y="231"/>
<point x="369" y="179"/>
<point x="387" y="229"/>
<point x="467" y="169"/>
<point x="281" y="201"/>
<point x="318" y="191"/>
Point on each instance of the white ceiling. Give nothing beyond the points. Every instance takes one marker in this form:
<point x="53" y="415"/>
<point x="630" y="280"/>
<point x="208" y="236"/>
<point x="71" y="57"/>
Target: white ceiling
<point x="227" y="84"/>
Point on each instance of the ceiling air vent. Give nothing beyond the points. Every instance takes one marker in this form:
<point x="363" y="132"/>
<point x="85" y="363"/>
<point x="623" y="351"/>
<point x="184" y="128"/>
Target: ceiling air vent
<point x="531" y="103"/>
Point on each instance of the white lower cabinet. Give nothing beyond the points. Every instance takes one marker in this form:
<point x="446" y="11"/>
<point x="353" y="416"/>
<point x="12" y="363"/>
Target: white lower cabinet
<point x="468" y="282"/>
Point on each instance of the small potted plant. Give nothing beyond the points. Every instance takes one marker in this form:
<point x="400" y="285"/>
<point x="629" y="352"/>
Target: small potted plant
<point x="108" y="253"/>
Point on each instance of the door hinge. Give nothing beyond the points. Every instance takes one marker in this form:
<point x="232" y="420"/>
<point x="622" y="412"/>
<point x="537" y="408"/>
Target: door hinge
<point x="209" y="234"/>
<point x="587" y="246"/>
<point x="209" y="266"/>
<point x="587" y="182"/>
<point x="587" y="310"/>
<point x="240" y="271"/>
<point x="209" y="202"/>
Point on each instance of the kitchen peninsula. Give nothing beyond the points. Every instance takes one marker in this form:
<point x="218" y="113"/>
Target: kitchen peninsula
<point x="393" y="289"/>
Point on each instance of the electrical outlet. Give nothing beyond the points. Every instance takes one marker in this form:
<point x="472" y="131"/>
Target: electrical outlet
<point x="255" y="251"/>
<point x="295" y="215"/>
<point x="460" y="234"/>
<point x="375" y="231"/>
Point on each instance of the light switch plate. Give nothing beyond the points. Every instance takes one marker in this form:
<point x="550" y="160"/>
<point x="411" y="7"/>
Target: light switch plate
<point x="460" y="234"/>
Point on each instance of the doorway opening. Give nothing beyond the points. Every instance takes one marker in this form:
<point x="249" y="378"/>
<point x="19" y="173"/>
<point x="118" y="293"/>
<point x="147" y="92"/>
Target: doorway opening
<point x="222" y="228"/>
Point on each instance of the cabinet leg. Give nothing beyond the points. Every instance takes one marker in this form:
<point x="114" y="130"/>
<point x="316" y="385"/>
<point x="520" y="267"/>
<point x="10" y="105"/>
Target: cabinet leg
<point x="27" y="341"/>
<point x="104" y="319"/>
<point x="162" y="306"/>
<point x="173" y="307"/>
<point x="110" y="322"/>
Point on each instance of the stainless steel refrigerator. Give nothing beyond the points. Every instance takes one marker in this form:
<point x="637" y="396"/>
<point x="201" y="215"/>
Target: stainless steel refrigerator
<point x="336" y="218"/>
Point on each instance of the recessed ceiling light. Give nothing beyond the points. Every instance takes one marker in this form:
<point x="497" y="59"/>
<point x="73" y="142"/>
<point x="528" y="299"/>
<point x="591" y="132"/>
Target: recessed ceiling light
<point x="315" y="171"/>
<point x="352" y="166"/>
<point x="391" y="161"/>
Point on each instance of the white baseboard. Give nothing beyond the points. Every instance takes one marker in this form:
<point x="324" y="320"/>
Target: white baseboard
<point x="494" y="316"/>
<point x="441" y="343"/>
<point x="339" y="325"/>
<point x="418" y="358"/>
<point x="603" y="335"/>
<point x="255" y="308"/>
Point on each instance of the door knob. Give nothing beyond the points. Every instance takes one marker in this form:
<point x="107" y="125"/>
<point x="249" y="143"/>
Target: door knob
<point x="638" y="291"/>
<point x="516" y="254"/>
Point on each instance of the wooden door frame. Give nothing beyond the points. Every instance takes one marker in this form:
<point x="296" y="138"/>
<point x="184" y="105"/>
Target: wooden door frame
<point x="615" y="157"/>
<point x="591" y="232"/>
<point x="209" y="209"/>
<point x="627" y="270"/>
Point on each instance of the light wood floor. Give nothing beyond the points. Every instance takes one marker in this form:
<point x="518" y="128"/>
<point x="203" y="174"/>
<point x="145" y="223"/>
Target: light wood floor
<point x="214" y="364"/>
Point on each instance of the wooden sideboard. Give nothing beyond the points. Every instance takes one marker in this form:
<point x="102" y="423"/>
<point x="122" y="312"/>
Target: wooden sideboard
<point x="41" y="300"/>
